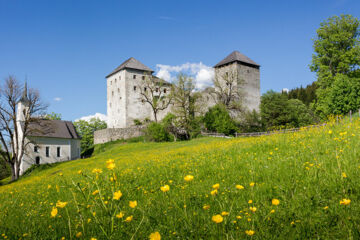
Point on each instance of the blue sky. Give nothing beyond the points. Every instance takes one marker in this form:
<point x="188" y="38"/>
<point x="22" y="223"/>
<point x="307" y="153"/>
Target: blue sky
<point x="66" y="48"/>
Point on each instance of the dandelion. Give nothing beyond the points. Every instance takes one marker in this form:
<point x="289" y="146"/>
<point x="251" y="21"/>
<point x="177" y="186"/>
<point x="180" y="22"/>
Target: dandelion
<point x="60" y="204"/>
<point x="224" y="213"/>
<point x="217" y="218"/>
<point x="214" y="192"/>
<point x="250" y="201"/>
<point x="132" y="204"/>
<point x="117" y="195"/>
<point x="252" y="184"/>
<point x="129" y="219"/>
<point x="250" y="232"/>
<point x="120" y="215"/>
<point x="79" y="172"/>
<point x="345" y="201"/>
<point x="110" y="164"/>
<point x="239" y="217"/>
<point x="54" y="212"/>
<point x="155" y="236"/>
<point x="188" y="178"/>
<point x="326" y="207"/>
<point x="216" y="186"/>
<point x="275" y="202"/>
<point x="344" y="175"/>
<point x="93" y="238"/>
<point x="78" y="235"/>
<point x="239" y="187"/>
<point x="165" y="188"/>
<point x="272" y="211"/>
<point x="330" y="132"/>
<point x="206" y="207"/>
<point x="253" y="209"/>
<point x="49" y="186"/>
<point x="95" y="192"/>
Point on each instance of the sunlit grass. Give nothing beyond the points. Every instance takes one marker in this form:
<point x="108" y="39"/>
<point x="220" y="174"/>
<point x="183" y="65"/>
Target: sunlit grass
<point x="284" y="186"/>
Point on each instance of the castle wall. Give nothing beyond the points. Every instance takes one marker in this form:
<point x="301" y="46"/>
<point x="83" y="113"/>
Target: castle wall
<point x="112" y="134"/>
<point x="116" y="102"/>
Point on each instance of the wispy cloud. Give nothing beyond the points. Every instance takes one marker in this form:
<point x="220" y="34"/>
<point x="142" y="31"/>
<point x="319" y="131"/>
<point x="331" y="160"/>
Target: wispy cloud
<point x="202" y="73"/>
<point x="57" y="99"/>
<point x="101" y="116"/>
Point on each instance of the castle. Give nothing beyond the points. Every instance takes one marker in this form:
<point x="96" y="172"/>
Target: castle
<point x="124" y="103"/>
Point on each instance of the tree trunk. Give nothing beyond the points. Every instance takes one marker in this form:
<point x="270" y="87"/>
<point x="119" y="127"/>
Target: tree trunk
<point x="13" y="172"/>
<point x="155" y="115"/>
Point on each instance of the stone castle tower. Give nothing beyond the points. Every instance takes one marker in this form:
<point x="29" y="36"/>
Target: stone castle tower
<point x="247" y="77"/>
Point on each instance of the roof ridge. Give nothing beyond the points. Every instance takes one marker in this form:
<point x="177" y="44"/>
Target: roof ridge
<point x="131" y="63"/>
<point x="236" y="56"/>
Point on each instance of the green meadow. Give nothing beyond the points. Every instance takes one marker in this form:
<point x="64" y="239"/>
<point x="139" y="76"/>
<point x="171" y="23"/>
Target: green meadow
<point x="302" y="185"/>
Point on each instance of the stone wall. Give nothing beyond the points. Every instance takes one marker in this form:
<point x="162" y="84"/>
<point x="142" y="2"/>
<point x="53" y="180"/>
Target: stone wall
<point x="112" y="134"/>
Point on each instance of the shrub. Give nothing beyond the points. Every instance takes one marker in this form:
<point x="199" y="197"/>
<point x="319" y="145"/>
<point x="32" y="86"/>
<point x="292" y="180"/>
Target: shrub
<point x="137" y="122"/>
<point x="156" y="132"/>
<point x="217" y="119"/>
<point x="251" y="122"/>
<point x="5" y="170"/>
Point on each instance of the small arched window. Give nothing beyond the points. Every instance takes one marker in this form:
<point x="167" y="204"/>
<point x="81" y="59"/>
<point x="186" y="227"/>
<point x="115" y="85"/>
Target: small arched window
<point x="37" y="160"/>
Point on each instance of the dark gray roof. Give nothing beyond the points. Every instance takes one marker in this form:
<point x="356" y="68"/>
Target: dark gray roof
<point x="52" y="128"/>
<point x="133" y="64"/>
<point x="236" y="56"/>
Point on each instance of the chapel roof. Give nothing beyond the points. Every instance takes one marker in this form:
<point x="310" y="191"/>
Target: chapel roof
<point x="53" y="129"/>
<point x="236" y="56"/>
<point x="131" y="63"/>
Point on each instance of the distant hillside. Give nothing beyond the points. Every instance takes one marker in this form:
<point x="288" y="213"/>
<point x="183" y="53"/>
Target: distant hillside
<point x="301" y="185"/>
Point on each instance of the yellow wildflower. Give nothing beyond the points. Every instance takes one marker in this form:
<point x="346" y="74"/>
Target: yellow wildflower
<point x="165" y="188"/>
<point x="78" y="235"/>
<point x="54" y="212"/>
<point x="239" y="217"/>
<point x="344" y="175"/>
<point x="217" y="218"/>
<point x="132" y="204"/>
<point x="60" y="204"/>
<point x="345" y="201"/>
<point x="93" y="238"/>
<point x="120" y="215"/>
<point x="250" y="232"/>
<point x="206" y="207"/>
<point x="79" y="172"/>
<point x="272" y="211"/>
<point x="216" y="186"/>
<point x="275" y="202"/>
<point x="239" y="187"/>
<point x="117" y="195"/>
<point x="188" y="178"/>
<point x="214" y="192"/>
<point x="110" y="164"/>
<point x="253" y="209"/>
<point x="252" y="184"/>
<point x="96" y="170"/>
<point x="129" y="219"/>
<point x="326" y="207"/>
<point x="225" y="213"/>
<point x="95" y="192"/>
<point x="155" y="236"/>
<point x="250" y="201"/>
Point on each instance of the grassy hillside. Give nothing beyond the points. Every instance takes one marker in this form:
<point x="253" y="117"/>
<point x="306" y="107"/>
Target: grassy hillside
<point x="285" y="186"/>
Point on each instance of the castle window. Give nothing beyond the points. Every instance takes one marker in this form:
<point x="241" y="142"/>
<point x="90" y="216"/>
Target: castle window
<point x="143" y="77"/>
<point x="37" y="160"/>
<point x="119" y="77"/>
<point x="58" y="151"/>
<point x="115" y="80"/>
<point x="118" y="90"/>
<point x="157" y="90"/>
<point x="144" y="89"/>
<point x="142" y="100"/>
<point x="134" y="77"/>
<point x="163" y="102"/>
<point x="36" y="149"/>
<point x="134" y="88"/>
<point x="47" y="151"/>
<point x="164" y="90"/>
<point x="112" y="93"/>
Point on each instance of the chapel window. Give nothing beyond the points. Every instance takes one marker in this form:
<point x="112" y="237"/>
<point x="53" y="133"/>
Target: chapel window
<point x="134" y="77"/>
<point x="36" y="149"/>
<point x="134" y="88"/>
<point x="58" y="151"/>
<point x="47" y="151"/>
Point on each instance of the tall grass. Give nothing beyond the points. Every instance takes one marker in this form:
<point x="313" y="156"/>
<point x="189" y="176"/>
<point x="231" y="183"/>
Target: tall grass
<point x="240" y="181"/>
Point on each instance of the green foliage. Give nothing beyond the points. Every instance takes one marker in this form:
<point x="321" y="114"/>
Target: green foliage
<point x="137" y="122"/>
<point x="53" y="116"/>
<point x="217" y="119"/>
<point x="278" y="111"/>
<point x="337" y="51"/>
<point x="251" y="122"/>
<point x="307" y="95"/>
<point x="156" y="132"/>
<point x="86" y="130"/>
<point x="5" y="170"/>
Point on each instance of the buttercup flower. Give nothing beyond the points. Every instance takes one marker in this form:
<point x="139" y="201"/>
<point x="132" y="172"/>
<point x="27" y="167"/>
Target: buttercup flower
<point x="206" y="207"/>
<point x="117" y="195"/>
<point x="250" y="232"/>
<point x="275" y="202"/>
<point x="60" y="204"/>
<point x="54" y="212"/>
<point x="217" y="218"/>
<point x="129" y="219"/>
<point x="188" y="178"/>
<point x="110" y="164"/>
<point x="345" y="201"/>
<point x="165" y="188"/>
<point x="239" y="187"/>
<point x="120" y="215"/>
<point x="155" y="236"/>
<point x="214" y="192"/>
<point x="253" y="209"/>
<point x="132" y="204"/>
<point x="216" y="186"/>
<point x="95" y="192"/>
<point x="252" y="184"/>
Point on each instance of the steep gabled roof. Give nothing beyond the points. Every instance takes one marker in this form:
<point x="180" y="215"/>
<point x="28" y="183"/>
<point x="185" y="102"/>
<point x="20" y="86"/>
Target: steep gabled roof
<point x="53" y="129"/>
<point x="236" y="56"/>
<point x="131" y="63"/>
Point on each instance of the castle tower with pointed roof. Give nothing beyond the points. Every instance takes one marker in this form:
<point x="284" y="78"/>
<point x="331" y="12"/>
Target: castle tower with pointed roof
<point x="247" y="74"/>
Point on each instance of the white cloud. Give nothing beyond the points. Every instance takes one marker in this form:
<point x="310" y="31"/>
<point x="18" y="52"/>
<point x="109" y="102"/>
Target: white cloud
<point x="57" y="99"/>
<point x="202" y="74"/>
<point x="285" y="90"/>
<point x="101" y="116"/>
